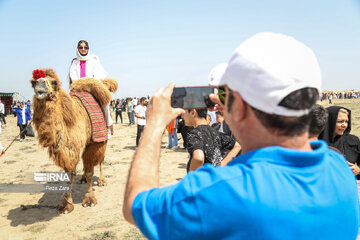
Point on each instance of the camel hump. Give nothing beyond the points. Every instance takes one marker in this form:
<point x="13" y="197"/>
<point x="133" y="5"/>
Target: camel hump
<point x="99" y="89"/>
<point x="111" y="84"/>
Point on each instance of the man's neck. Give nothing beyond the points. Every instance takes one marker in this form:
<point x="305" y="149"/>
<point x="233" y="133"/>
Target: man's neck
<point x="200" y="121"/>
<point x="300" y="142"/>
<point x="250" y="138"/>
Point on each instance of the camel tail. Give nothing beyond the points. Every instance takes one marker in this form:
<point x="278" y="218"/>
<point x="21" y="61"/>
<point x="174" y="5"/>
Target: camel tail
<point x="111" y="84"/>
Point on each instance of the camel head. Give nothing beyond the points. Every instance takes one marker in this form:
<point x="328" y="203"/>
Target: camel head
<point x="46" y="83"/>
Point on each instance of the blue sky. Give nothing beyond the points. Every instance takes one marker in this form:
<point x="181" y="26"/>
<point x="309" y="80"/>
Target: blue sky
<point x="146" y="44"/>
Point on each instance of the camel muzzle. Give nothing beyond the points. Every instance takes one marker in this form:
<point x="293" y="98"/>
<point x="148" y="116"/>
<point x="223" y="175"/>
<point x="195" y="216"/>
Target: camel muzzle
<point x="41" y="89"/>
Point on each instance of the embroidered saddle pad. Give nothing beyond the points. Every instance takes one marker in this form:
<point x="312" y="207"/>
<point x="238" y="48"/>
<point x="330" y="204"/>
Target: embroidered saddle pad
<point x="99" y="131"/>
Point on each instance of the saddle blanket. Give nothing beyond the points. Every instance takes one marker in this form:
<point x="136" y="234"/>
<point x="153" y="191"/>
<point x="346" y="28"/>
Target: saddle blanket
<point x="99" y="131"/>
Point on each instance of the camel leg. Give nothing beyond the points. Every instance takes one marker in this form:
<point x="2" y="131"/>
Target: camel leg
<point x="89" y="199"/>
<point x="83" y="179"/>
<point x="102" y="180"/>
<point x="67" y="204"/>
<point x="93" y="154"/>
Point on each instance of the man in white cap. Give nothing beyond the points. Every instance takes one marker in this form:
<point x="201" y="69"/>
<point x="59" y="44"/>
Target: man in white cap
<point x="281" y="187"/>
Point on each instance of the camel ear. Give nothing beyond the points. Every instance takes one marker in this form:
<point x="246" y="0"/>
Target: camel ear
<point x="33" y="83"/>
<point x="68" y="108"/>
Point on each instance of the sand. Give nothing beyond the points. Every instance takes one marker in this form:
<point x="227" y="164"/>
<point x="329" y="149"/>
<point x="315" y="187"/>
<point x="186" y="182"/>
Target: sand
<point x="103" y="221"/>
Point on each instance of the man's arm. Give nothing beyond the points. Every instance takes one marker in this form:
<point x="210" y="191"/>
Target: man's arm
<point x="144" y="170"/>
<point x="231" y="154"/>
<point x="197" y="160"/>
<point x="137" y="116"/>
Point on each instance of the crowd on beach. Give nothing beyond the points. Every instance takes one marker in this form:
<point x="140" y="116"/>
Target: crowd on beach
<point x="266" y="158"/>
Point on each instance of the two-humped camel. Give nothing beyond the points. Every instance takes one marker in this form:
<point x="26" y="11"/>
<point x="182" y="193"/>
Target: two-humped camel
<point x="63" y="126"/>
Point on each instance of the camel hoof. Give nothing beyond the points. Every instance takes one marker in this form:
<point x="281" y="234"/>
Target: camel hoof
<point x="102" y="182"/>
<point x="89" y="200"/>
<point x="65" y="209"/>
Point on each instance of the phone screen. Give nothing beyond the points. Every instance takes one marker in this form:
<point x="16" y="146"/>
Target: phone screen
<point x="192" y="97"/>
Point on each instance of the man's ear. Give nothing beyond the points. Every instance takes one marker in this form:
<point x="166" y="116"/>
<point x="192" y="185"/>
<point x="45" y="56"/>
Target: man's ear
<point x="239" y="107"/>
<point x="193" y="112"/>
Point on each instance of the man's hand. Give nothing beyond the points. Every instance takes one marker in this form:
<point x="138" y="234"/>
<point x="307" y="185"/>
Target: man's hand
<point x="159" y="112"/>
<point x="218" y="105"/>
<point x="354" y="168"/>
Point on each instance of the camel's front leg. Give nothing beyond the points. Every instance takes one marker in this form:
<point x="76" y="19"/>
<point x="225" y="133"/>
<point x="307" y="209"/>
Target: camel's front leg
<point x="89" y="199"/>
<point x="67" y="204"/>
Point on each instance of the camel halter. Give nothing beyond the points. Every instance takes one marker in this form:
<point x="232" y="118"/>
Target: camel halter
<point x="48" y="84"/>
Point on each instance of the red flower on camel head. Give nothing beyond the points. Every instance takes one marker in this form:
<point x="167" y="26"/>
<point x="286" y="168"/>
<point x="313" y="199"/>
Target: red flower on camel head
<point x="38" y="73"/>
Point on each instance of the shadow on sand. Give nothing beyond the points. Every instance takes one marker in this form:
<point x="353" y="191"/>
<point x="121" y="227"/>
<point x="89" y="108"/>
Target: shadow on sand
<point x="130" y="147"/>
<point x="182" y="165"/>
<point x="45" y="209"/>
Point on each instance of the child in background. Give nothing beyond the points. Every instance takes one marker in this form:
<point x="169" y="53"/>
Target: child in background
<point x="23" y="118"/>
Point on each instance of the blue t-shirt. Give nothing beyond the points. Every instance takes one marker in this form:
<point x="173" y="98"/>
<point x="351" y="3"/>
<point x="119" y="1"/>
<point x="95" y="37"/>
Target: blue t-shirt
<point x="269" y="193"/>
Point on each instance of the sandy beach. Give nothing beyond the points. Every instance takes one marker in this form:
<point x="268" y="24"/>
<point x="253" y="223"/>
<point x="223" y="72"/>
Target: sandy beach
<point x="103" y="221"/>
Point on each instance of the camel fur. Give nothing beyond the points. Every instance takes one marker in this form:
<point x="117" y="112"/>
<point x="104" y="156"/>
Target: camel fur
<point x="63" y="126"/>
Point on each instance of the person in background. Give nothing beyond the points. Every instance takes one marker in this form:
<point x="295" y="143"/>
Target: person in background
<point x="330" y="97"/>
<point x="172" y="134"/>
<point x="1" y="146"/>
<point x="2" y="112"/>
<point x="183" y="129"/>
<point x="213" y="117"/>
<point x="134" y="103"/>
<point x="88" y="65"/>
<point x="140" y="114"/>
<point x="319" y="117"/>
<point x="129" y="110"/>
<point x="113" y="105"/>
<point x="282" y="186"/>
<point x="23" y="118"/>
<point x="205" y="144"/>
<point x="208" y="119"/>
<point x="222" y="127"/>
<point x="337" y="134"/>
<point x="28" y="104"/>
<point x="118" y="110"/>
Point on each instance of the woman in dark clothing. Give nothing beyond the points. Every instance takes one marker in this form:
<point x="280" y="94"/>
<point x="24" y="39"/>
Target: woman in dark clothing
<point x="337" y="135"/>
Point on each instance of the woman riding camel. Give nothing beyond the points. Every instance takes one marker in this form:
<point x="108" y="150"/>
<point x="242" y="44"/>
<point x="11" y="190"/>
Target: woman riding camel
<point x="88" y="65"/>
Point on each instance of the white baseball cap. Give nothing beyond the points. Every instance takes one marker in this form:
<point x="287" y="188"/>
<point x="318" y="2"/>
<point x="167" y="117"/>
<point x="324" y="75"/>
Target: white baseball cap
<point x="216" y="74"/>
<point x="266" y="68"/>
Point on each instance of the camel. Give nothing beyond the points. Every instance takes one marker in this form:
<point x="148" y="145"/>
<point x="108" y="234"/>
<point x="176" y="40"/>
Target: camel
<point x="64" y="127"/>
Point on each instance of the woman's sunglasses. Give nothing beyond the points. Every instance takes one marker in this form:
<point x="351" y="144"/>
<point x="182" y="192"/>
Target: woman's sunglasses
<point x="83" y="48"/>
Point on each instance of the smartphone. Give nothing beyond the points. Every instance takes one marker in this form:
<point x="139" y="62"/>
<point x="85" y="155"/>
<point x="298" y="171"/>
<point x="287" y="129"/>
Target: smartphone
<point x="192" y="97"/>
